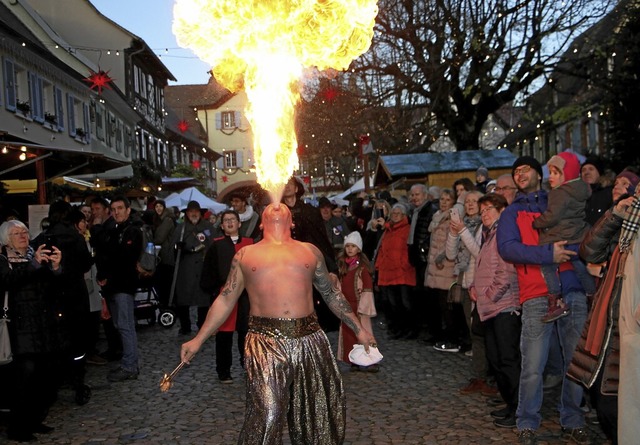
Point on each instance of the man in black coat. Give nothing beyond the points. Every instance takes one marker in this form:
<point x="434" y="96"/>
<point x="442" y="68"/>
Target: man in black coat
<point x="308" y="226"/>
<point x="119" y="279"/>
<point x="419" y="238"/>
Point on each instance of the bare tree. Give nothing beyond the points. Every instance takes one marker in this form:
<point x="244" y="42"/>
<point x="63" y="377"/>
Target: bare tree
<point x="461" y="60"/>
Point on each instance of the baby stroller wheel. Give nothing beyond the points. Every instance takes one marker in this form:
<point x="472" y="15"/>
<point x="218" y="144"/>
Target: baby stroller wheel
<point x="167" y="318"/>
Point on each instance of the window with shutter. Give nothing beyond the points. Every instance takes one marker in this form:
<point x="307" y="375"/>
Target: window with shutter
<point x="72" y="115"/>
<point x="59" y="109"/>
<point x="86" y="121"/>
<point x="230" y="159"/>
<point x="35" y="97"/>
<point x="10" y="85"/>
<point x="228" y="120"/>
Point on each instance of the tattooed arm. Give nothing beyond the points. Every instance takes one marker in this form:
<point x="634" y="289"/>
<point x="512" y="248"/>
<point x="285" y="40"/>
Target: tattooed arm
<point x="337" y="302"/>
<point x="219" y="310"/>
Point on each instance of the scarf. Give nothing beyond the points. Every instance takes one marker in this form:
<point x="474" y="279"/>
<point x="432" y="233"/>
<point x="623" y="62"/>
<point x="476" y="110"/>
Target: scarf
<point x="352" y="261"/>
<point x="248" y="213"/>
<point x="630" y="226"/>
<point x="13" y="256"/>
<point x="472" y="223"/>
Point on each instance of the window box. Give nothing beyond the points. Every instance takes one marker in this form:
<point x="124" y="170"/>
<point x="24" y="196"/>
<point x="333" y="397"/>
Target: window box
<point x="23" y="107"/>
<point x="50" y="119"/>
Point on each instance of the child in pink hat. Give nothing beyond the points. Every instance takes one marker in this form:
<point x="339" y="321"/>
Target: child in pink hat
<point x="564" y="220"/>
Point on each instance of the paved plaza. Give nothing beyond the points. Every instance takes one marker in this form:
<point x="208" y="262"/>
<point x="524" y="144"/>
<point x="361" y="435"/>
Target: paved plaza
<point x="413" y="400"/>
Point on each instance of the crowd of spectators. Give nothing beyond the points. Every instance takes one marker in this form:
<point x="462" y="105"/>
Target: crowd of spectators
<point x="469" y="268"/>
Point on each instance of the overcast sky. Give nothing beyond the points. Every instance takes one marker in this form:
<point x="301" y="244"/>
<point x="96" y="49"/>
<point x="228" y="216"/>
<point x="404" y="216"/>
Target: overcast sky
<point x="151" y="20"/>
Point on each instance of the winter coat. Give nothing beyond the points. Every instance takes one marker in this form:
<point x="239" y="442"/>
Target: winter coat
<point x="337" y="229"/>
<point x="196" y="240"/>
<point x="564" y="219"/>
<point x="495" y="281"/>
<point x="518" y="244"/>
<point x="308" y="227"/>
<point x="629" y="325"/>
<point x="598" y="246"/>
<point x="439" y="269"/>
<point x="599" y="202"/>
<point x="32" y="315"/>
<point x="250" y="224"/>
<point x="120" y="258"/>
<point x="419" y="249"/>
<point x="72" y="294"/>
<point x="163" y="236"/>
<point x="392" y="260"/>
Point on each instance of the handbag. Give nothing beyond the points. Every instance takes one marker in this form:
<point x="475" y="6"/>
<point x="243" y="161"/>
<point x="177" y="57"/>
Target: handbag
<point x="6" y="356"/>
<point x="456" y="291"/>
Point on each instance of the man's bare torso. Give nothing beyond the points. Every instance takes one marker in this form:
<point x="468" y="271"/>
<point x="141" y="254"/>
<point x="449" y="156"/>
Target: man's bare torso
<point x="278" y="278"/>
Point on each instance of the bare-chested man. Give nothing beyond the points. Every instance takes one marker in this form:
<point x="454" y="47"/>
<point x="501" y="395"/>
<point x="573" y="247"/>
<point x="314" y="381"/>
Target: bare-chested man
<point x="291" y="372"/>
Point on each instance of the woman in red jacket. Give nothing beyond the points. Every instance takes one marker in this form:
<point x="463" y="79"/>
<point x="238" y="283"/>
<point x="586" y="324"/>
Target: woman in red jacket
<point x="396" y="275"/>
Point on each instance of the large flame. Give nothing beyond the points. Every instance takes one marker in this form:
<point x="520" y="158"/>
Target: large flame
<point x="263" y="46"/>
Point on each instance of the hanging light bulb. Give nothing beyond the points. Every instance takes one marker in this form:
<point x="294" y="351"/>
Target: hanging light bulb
<point x="23" y="156"/>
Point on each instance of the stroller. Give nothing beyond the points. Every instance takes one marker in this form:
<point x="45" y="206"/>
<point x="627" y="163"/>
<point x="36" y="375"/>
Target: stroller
<point x="147" y="308"/>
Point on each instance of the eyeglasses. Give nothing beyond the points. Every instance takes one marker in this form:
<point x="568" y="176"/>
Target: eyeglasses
<point x="486" y="209"/>
<point x="228" y="220"/>
<point x="21" y="233"/>
<point x="522" y="170"/>
<point x="504" y="189"/>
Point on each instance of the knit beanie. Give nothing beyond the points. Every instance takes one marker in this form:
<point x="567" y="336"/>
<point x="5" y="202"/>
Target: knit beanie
<point x="567" y="163"/>
<point x="482" y="171"/>
<point x="596" y="162"/>
<point x="527" y="160"/>
<point x="633" y="178"/>
<point x="355" y="239"/>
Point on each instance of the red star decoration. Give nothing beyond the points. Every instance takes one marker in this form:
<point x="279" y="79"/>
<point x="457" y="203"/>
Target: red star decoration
<point x="196" y="164"/>
<point x="306" y="179"/>
<point x="225" y="179"/>
<point x="183" y="126"/>
<point x="330" y="94"/>
<point x="99" y="80"/>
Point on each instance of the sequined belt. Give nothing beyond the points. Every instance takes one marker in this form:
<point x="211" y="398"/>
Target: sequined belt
<point x="284" y="327"/>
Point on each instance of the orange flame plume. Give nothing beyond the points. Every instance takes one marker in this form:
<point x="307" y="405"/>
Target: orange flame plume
<point x="263" y="46"/>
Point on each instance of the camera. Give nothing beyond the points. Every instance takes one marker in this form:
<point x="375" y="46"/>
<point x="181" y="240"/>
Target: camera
<point x="48" y="242"/>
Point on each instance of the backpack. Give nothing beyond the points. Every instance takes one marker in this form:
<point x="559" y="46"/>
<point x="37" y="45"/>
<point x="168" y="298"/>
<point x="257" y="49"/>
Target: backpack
<point x="148" y="259"/>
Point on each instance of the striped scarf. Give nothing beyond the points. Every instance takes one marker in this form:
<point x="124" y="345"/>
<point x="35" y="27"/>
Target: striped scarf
<point x="630" y="225"/>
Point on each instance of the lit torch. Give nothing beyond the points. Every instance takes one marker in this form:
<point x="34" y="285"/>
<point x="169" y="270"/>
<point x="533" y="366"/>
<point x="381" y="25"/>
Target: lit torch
<point x="263" y="46"/>
<point x="167" y="380"/>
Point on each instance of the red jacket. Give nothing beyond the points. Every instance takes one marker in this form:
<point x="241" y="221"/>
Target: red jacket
<point x="392" y="260"/>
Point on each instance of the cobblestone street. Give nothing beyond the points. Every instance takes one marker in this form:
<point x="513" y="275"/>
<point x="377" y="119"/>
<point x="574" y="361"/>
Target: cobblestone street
<point x="414" y="399"/>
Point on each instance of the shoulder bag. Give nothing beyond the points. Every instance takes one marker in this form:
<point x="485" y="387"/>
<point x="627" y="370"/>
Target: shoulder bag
<point x="456" y="291"/>
<point x="6" y="356"/>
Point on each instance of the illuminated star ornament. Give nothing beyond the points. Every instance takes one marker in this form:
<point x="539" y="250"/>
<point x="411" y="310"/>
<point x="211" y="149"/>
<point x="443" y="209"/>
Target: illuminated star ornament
<point x="99" y="80"/>
<point x="330" y="94"/>
<point x="183" y="126"/>
<point x="196" y="164"/>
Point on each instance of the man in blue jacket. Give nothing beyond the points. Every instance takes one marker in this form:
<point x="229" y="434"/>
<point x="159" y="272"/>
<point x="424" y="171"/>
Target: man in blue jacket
<point x="518" y="244"/>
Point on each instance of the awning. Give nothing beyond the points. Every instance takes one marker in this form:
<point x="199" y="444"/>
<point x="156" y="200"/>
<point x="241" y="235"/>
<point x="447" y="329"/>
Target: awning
<point x="18" y="161"/>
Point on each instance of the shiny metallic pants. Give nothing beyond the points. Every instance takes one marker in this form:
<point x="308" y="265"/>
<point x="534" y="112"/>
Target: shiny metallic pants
<point x="292" y="377"/>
